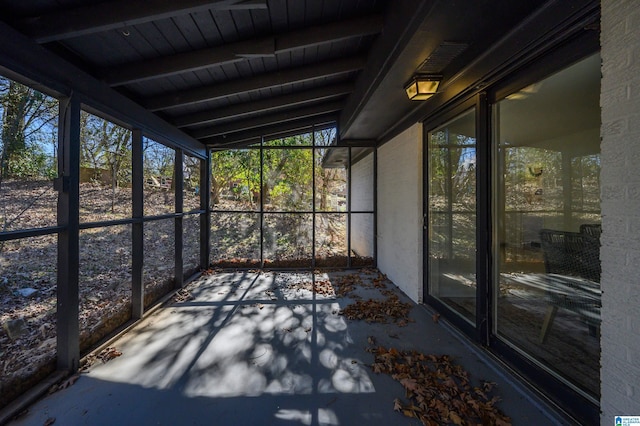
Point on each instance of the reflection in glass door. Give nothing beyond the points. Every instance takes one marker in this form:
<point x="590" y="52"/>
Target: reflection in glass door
<point x="452" y="214"/>
<point x="547" y="223"/>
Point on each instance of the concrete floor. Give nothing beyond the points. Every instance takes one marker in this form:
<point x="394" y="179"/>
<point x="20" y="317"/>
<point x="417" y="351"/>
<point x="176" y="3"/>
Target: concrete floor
<point x="256" y="348"/>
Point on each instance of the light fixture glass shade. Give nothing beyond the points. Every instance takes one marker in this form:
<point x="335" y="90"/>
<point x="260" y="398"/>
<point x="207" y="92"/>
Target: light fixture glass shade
<point x="422" y="87"/>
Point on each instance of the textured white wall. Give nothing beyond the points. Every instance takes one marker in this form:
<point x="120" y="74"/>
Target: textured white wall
<point x="400" y="211"/>
<point x="362" y="200"/>
<point x="620" y="186"/>
<point x="362" y="184"/>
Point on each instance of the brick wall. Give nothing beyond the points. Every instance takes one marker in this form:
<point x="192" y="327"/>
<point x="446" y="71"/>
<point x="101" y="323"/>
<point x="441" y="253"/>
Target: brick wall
<point x="400" y="211"/>
<point x="620" y="185"/>
<point x="362" y="200"/>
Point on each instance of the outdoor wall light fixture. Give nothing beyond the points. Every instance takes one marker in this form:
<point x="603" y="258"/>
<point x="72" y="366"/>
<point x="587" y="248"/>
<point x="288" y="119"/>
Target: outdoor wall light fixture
<point x="422" y="86"/>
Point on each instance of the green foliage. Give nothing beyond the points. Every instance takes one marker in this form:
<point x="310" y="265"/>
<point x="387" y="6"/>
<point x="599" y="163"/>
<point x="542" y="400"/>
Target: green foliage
<point x="237" y="172"/>
<point x="29" y="162"/>
<point x="28" y="126"/>
<point x="286" y="176"/>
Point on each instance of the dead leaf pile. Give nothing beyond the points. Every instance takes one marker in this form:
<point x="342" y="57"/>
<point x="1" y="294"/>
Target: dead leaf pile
<point x="380" y="281"/>
<point x="108" y="354"/>
<point x="181" y="295"/>
<point x="438" y="390"/>
<point x="345" y="285"/>
<point x="64" y="384"/>
<point x="88" y="362"/>
<point x="105" y="355"/>
<point x="379" y="311"/>
<point x="324" y="287"/>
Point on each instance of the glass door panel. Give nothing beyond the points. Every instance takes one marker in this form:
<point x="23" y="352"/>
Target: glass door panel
<point x="452" y="214"/>
<point x="547" y="223"/>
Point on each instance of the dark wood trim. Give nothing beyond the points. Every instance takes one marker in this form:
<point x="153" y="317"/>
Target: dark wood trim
<point x="178" y="230"/>
<point x="375" y="207"/>
<point x="265" y="81"/>
<point x="483" y="219"/>
<point x="36" y="64"/>
<point x="402" y="20"/>
<point x="137" y="231"/>
<point x="329" y="32"/>
<point x="31" y="232"/>
<point x="262" y="106"/>
<point x="425" y="215"/>
<point x="165" y="66"/>
<point x="277" y="130"/>
<point x="267" y="120"/>
<point x="205" y="218"/>
<point x="583" y="410"/>
<point x="450" y="315"/>
<point x="67" y="322"/>
<point x="365" y="143"/>
<point x="241" y="50"/>
<point x="119" y="14"/>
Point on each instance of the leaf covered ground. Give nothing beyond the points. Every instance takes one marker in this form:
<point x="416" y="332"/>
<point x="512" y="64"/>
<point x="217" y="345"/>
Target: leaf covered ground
<point x="437" y="390"/>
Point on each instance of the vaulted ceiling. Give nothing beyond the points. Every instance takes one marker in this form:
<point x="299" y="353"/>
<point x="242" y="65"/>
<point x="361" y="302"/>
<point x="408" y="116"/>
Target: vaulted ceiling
<point x="226" y="72"/>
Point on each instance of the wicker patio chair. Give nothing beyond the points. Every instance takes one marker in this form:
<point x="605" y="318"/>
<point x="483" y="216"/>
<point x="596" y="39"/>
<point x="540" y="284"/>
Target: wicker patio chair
<point x="591" y="229"/>
<point x="573" y="272"/>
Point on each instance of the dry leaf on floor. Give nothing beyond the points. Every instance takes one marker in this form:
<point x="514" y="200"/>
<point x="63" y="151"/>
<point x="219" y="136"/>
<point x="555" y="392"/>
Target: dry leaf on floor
<point x="181" y="295"/>
<point x="397" y="406"/>
<point x="409" y="384"/>
<point x="437" y="389"/>
<point x="108" y="354"/>
<point x="455" y="418"/>
<point x="379" y="311"/>
<point x="69" y="382"/>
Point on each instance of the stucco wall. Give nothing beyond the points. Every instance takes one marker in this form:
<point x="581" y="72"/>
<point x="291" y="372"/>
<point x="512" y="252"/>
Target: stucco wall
<point x="400" y="211"/>
<point x="362" y="200"/>
<point x="620" y="185"/>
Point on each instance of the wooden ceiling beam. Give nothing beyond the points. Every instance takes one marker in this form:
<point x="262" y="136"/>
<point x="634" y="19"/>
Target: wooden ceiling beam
<point x="280" y="129"/>
<point x="118" y="14"/>
<point x="402" y="22"/>
<point x="22" y="56"/>
<point x="265" y="81"/>
<point x="265" y="105"/>
<point x="188" y="61"/>
<point x="329" y="32"/>
<point x="233" y="52"/>
<point x="262" y="121"/>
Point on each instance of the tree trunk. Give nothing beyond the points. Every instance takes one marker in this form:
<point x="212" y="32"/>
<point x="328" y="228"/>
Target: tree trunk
<point x="13" y="122"/>
<point x="215" y="191"/>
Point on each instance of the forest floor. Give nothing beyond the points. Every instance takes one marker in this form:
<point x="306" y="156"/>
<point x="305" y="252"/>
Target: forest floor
<point x="28" y="271"/>
<point x="28" y="266"/>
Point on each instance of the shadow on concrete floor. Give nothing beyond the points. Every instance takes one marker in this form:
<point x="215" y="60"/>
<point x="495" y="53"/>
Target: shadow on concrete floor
<point x="261" y="348"/>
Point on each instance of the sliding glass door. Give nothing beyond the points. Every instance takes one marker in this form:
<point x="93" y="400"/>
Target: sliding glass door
<point x="451" y="213"/>
<point x="546" y="140"/>
<point x="543" y="202"/>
